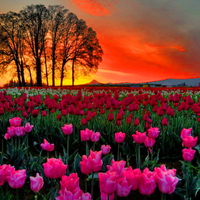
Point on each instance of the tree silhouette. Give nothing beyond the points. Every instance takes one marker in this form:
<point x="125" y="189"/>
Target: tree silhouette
<point x="45" y="41"/>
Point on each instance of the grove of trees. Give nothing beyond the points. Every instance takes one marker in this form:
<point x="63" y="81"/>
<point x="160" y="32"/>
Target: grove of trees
<point x="42" y="44"/>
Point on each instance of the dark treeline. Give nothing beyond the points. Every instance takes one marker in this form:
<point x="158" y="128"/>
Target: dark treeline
<point x="43" y="43"/>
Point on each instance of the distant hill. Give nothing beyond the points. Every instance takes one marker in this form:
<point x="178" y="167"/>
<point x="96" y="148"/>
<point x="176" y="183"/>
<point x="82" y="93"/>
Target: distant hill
<point x="177" y="82"/>
<point x="94" y="82"/>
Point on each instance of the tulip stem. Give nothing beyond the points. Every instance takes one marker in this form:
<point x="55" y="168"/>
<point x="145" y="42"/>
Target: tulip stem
<point x="87" y="148"/>
<point x="85" y="184"/>
<point x="35" y="198"/>
<point x="67" y="148"/>
<point x="118" y="151"/>
<point x="93" y="147"/>
<point x="108" y="197"/>
<point x="163" y="196"/>
<point x="138" y="158"/>
<point x="92" y="184"/>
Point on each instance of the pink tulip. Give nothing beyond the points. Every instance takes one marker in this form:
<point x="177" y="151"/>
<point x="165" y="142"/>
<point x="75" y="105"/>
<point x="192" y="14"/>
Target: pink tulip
<point x="133" y="176"/>
<point x="186" y="132"/>
<point x="68" y="195"/>
<point x="67" y="129"/>
<point x="28" y="128"/>
<point x="147" y="183"/>
<point x="11" y="131"/>
<point x="95" y="136"/>
<point x="19" y="131"/>
<point x="104" y="196"/>
<point x="86" y="134"/>
<point x="153" y="132"/>
<point x="16" y="121"/>
<point x="105" y="149"/>
<point x="139" y="137"/>
<point x="123" y="187"/>
<point x="47" y="146"/>
<point x="3" y="174"/>
<point x="36" y="183"/>
<point x="54" y="168"/>
<point x="108" y="182"/>
<point x="117" y="166"/>
<point x="189" y="141"/>
<point x="120" y="137"/>
<point x="7" y="136"/>
<point x="70" y="183"/>
<point x="188" y="154"/>
<point x="92" y="163"/>
<point x="166" y="180"/>
<point x="17" y="178"/>
<point x="149" y="142"/>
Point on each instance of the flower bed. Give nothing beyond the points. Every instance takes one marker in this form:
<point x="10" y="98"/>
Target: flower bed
<point x="99" y="143"/>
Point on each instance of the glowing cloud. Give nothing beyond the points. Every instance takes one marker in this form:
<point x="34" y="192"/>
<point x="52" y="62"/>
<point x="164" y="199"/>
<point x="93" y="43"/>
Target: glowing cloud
<point x="96" y="7"/>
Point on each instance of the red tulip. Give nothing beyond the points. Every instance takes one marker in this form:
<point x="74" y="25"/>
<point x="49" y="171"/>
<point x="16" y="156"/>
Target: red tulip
<point x="17" y="178"/>
<point x="120" y="137"/>
<point x="83" y="121"/>
<point x="67" y="129"/>
<point x="44" y="113"/>
<point x="188" y="154"/>
<point x="136" y="121"/>
<point x="36" y="183"/>
<point x="110" y="117"/>
<point x="54" y="168"/>
<point x="164" y="121"/>
<point x="47" y="146"/>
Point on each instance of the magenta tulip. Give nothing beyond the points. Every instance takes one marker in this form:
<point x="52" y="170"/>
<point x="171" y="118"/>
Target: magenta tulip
<point x="153" y="132"/>
<point x="188" y="154"/>
<point x="16" y="121"/>
<point x="36" y="183"/>
<point x="139" y="137"/>
<point x="54" y="168"/>
<point x="67" y="129"/>
<point x="47" y="146"/>
<point x="189" y="141"/>
<point x="105" y="149"/>
<point x="120" y="137"/>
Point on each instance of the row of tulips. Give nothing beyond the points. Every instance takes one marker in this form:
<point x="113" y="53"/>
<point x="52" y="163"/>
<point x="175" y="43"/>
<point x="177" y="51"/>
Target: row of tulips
<point x="139" y="129"/>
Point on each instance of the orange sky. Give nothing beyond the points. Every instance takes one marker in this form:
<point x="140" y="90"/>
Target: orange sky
<point x="142" y="40"/>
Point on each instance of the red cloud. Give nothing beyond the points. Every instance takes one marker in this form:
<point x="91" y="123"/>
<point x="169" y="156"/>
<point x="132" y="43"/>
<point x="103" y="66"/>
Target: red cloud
<point x="96" y="7"/>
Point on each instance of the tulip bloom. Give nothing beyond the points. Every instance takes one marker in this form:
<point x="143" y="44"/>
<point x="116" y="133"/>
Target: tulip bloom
<point x="189" y="141"/>
<point x="188" y="154"/>
<point x="105" y="149"/>
<point x="149" y="142"/>
<point x="19" y="131"/>
<point x="36" y="183"/>
<point x="186" y="132"/>
<point x="28" y="128"/>
<point x="166" y="179"/>
<point x="92" y="163"/>
<point x="139" y="137"/>
<point x="54" y="168"/>
<point x="108" y="182"/>
<point x="147" y="183"/>
<point x="133" y="176"/>
<point x="17" y="178"/>
<point x="67" y="129"/>
<point x="136" y="121"/>
<point x="70" y="183"/>
<point x="16" y="121"/>
<point x="153" y="132"/>
<point x="95" y="136"/>
<point x="123" y="187"/>
<point x="86" y="134"/>
<point x="164" y="121"/>
<point x="120" y="137"/>
<point x="117" y="166"/>
<point x="47" y="146"/>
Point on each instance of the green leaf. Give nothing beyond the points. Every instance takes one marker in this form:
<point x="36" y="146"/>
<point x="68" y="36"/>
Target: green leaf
<point x="76" y="163"/>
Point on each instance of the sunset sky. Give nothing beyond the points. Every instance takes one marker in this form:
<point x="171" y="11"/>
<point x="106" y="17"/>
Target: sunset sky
<point x="142" y="40"/>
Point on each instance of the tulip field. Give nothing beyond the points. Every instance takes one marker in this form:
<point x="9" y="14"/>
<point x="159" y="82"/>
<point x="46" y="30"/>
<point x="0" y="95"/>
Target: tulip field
<point x="100" y="143"/>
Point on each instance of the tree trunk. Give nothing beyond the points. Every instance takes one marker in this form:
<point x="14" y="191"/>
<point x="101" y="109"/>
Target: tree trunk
<point x="46" y="68"/>
<point x="73" y="78"/>
<point x="62" y="72"/>
<point x="22" y="75"/>
<point x="38" y="72"/>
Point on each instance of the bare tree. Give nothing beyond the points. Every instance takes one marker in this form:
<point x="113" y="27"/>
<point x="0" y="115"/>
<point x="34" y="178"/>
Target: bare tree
<point x="35" y="18"/>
